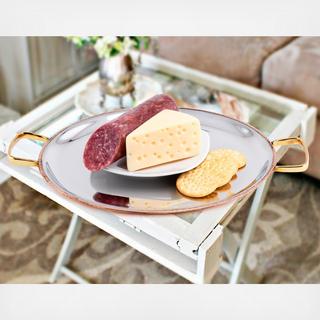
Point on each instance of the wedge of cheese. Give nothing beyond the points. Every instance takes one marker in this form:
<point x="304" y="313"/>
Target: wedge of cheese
<point x="167" y="136"/>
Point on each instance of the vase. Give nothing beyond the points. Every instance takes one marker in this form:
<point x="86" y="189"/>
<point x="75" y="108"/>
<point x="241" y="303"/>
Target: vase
<point x="116" y="77"/>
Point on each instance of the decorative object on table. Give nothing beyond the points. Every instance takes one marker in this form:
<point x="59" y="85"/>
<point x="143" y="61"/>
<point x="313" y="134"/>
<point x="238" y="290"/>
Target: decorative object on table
<point x="89" y="99"/>
<point x="193" y="95"/>
<point x="116" y="77"/>
<point x="116" y="67"/>
<point x="231" y="107"/>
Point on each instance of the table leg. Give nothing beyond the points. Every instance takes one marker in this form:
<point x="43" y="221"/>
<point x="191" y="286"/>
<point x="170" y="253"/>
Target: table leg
<point x="254" y="213"/>
<point x="3" y="177"/>
<point x="231" y="248"/>
<point x="67" y="247"/>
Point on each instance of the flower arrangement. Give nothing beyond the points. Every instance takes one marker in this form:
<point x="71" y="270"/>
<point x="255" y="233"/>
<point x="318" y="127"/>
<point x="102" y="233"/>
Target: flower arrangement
<point x="110" y="46"/>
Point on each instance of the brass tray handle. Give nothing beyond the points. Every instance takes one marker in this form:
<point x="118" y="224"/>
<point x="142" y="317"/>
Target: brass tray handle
<point x="24" y="135"/>
<point x="293" y="167"/>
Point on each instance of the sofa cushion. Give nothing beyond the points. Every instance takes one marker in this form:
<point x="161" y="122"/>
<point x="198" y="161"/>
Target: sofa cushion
<point x="294" y="71"/>
<point x="237" y="58"/>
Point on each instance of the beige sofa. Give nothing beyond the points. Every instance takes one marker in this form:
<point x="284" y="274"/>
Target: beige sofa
<point x="289" y="66"/>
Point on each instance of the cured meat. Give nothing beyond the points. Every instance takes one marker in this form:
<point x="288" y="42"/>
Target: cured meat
<point x="107" y="143"/>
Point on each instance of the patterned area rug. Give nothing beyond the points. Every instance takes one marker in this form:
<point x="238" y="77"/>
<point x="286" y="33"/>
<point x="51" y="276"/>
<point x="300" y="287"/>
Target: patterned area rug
<point x="285" y="248"/>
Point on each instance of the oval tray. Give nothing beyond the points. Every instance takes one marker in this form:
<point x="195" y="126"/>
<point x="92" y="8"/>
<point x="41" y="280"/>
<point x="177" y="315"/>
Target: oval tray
<point x="60" y="163"/>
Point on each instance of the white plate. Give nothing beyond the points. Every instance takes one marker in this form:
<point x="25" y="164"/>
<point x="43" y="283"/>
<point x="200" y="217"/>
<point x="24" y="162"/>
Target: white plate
<point x="166" y="169"/>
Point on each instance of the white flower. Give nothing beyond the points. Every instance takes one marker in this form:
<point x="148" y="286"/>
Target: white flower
<point x="109" y="39"/>
<point x="103" y="46"/>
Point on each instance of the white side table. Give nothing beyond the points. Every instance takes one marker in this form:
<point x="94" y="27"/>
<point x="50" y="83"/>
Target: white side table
<point x="188" y="244"/>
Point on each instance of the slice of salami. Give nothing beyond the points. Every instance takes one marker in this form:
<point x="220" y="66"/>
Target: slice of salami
<point x="107" y="143"/>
